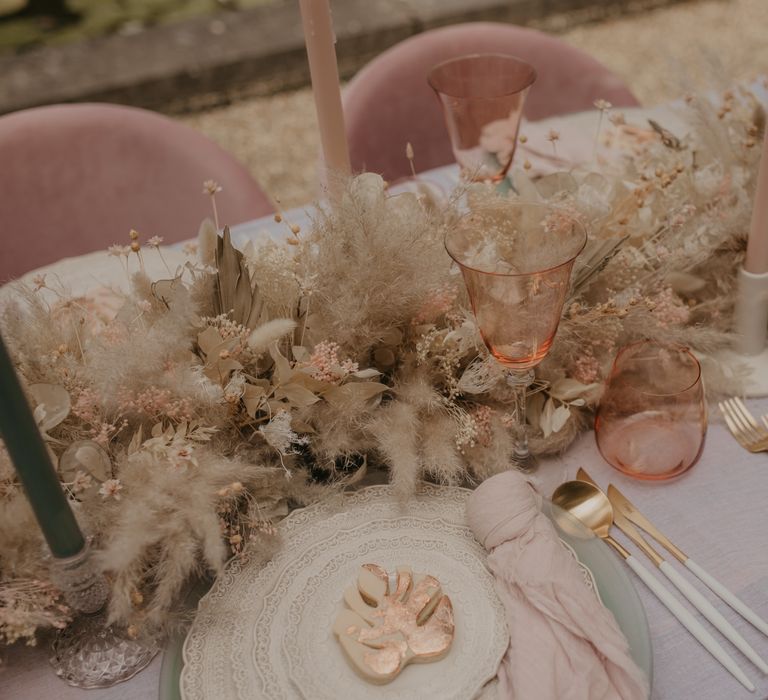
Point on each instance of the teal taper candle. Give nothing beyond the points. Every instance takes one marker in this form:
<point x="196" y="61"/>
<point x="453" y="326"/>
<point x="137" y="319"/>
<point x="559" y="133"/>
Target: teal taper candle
<point x="33" y="465"/>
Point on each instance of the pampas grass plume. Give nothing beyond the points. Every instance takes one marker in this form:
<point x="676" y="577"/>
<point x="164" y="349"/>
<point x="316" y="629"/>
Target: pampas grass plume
<point x="269" y="332"/>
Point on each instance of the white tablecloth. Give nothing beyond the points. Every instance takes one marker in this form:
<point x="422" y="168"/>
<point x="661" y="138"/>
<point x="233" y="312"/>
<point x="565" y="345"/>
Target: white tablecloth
<point x="717" y="513"/>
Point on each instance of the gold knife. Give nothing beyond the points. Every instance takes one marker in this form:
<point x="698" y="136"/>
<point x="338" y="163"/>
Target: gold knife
<point x="632" y="513"/>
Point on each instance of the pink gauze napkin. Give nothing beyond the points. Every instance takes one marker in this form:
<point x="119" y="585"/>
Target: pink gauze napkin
<point x="564" y="644"/>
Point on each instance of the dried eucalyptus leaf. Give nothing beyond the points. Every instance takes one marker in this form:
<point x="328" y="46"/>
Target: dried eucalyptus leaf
<point x="300" y="426"/>
<point x="297" y="395"/>
<point x="89" y="458"/>
<point x="300" y="353"/>
<point x="164" y="290"/>
<point x="220" y="371"/>
<point x="53" y="404"/>
<point x="568" y="389"/>
<point x="685" y="282"/>
<point x="560" y="417"/>
<point x="208" y="339"/>
<point x="303" y="378"/>
<point x="369" y="373"/>
<point x="282" y="366"/>
<point x="254" y="397"/>
<point x="340" y="396"/>
<point x="136" y="441"/>
<point x="553" y="418"/>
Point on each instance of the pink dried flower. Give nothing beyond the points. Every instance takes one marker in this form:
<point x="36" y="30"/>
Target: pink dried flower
<point x="87" y="406"/>
<point x="482" y="415"/>
<point x="39" y="282"/>
<point x="189" y="248"/>
<point x="155" y="403"/>
<point x="155" y="241"/>
<point x="211" y="187"/>
<point x="103" y="433"/>
<point x="81" y="482"/>
<point x="325" y="365"/>
<point x="668" y="309"/>
<point x="182" y="455"/>
<point x="111" y="489"/>
<point x="586" y="369"/>
<point x="617" y="118"/>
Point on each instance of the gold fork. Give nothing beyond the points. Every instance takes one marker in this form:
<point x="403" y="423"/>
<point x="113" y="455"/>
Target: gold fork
<point x="748" y="432"/>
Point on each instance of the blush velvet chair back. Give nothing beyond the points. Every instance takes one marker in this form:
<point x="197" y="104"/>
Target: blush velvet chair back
<point x="77" y="178"/>
<point x="388" y="103"/>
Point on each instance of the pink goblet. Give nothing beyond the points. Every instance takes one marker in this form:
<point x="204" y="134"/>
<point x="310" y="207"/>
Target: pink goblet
<point x="516" y="259"/>
<point x="482" y="96"/>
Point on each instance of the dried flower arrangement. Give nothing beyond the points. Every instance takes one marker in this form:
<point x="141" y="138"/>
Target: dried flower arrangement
<point x="253" y="381"/>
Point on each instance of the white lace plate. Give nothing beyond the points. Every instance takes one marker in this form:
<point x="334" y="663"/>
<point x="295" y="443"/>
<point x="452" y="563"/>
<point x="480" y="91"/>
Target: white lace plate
<point x="316" y="663"/>
<point x="263" y="631"/>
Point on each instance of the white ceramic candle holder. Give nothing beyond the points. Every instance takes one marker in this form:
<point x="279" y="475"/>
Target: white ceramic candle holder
<point x="751" y="326"/>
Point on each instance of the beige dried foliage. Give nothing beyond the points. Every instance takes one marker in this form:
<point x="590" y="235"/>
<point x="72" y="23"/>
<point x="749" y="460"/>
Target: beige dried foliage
<point x="376" y="260"/>
<point x="363" y="351"/>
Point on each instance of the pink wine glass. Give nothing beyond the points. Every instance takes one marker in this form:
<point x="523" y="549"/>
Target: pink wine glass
<point x="516" y="259"/>
<point x="652" y="418"/>
<point x="482" y="96"/>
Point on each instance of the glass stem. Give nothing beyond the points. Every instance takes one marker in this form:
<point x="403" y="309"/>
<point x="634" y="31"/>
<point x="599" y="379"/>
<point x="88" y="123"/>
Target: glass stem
<point x="519" y="381"/>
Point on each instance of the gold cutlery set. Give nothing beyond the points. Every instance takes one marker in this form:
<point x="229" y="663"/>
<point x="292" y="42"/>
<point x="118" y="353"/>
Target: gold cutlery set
<point x="584" y="500"/>
<point x="750" y="434"/>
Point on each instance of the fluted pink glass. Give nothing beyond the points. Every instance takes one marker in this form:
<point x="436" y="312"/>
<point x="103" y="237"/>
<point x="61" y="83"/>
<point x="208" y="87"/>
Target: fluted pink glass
<point x="516" y="258"/>
<point x="482" y="96"/>
<point x="652" y="418"/>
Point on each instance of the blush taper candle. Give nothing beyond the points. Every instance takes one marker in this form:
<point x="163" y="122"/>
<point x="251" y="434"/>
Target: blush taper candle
<point x="35" y="470"/>
<point x="324" y="72"/>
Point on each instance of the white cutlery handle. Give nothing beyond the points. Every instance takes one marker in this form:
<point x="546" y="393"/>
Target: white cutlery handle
<point x="689" y="622"/>
<point x="740" y="607"/>
<point x="712" y="614"/>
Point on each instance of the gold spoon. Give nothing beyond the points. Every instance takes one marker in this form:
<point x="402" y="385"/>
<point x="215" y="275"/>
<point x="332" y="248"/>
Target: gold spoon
<point x="591" y="506"/>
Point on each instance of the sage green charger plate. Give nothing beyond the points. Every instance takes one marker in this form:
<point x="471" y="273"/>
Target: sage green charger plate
<point x="614" y="585"/>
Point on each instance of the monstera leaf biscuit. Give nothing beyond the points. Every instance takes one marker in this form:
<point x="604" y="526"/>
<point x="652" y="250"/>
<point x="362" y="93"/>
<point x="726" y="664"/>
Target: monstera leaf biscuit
<point x="392" y="621"/>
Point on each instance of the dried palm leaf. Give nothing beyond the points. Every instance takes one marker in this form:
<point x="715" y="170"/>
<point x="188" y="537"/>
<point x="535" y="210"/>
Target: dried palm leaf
<point x="235" y="295"/>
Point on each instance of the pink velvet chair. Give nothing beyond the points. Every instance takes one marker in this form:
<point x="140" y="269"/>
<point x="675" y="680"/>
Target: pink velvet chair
<point x="388" y="103"/>
<point x="76" y="178"/>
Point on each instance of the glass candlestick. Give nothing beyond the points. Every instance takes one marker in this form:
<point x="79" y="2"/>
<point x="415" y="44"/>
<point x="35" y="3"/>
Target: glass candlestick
<point x="89" y="653"/>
